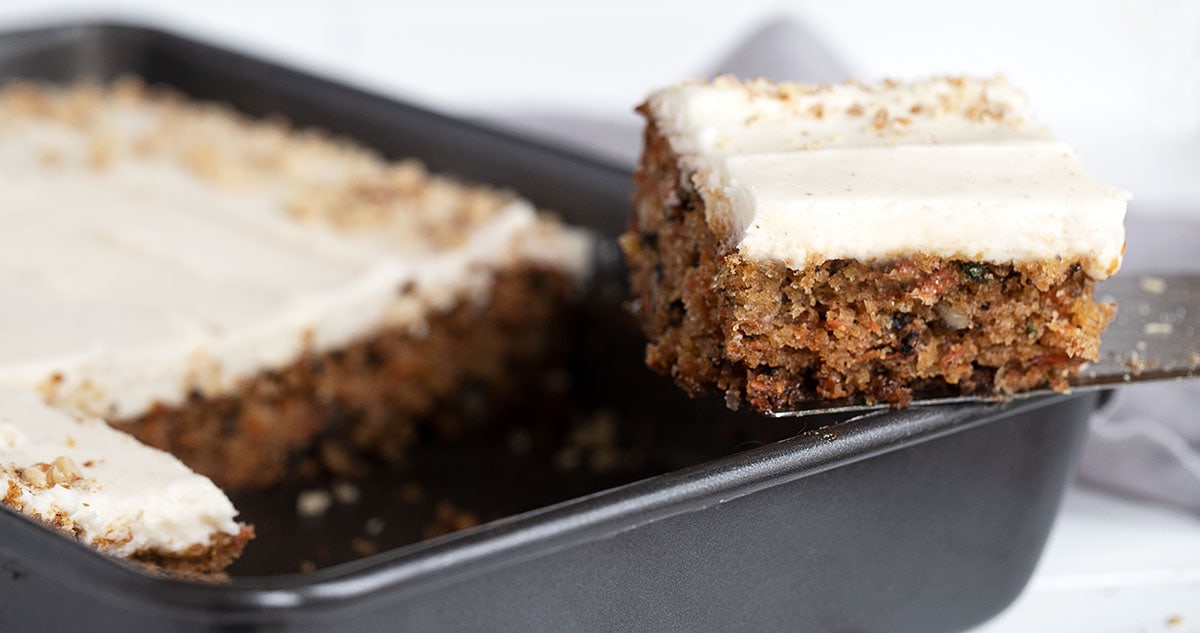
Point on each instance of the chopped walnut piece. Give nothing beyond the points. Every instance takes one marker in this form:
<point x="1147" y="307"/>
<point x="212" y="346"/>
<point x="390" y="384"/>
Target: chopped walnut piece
<point x="880" y="120"/>
<point x="100" y="155"/>
<point x="35" y="477"/>
<point x="61" y="472"/>
<point x="64" y="470"/>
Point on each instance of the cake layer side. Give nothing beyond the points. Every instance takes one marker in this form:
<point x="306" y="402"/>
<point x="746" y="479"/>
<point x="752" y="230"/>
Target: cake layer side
<point x="374" y="395"/>
<point x="206" y="562"/>
<point x="773" y="336"/>
<point x="920" y="325"/>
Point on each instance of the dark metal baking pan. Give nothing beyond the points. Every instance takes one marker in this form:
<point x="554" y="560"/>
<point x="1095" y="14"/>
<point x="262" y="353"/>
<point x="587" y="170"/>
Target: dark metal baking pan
<point x="921" y="520"/>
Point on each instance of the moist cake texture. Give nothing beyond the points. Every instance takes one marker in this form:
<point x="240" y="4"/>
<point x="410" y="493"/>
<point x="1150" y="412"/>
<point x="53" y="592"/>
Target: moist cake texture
<point x="249" y="296"/>
<point x="792" y="242"/>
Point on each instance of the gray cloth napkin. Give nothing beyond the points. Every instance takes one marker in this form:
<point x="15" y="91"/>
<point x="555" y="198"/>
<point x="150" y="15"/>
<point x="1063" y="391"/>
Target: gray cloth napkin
<point x="1146" y="441"/>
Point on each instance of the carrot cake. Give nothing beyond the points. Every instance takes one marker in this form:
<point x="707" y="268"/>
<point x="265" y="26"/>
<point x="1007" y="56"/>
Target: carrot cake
<point x="110" y="491"/>
<point x="245" y="295"/>
<point x="864" y="243"/>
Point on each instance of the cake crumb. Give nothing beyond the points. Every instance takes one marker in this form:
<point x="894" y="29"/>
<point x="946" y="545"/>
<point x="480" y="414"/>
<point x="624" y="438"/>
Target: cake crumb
<point x="374" y="526"/>
<point x="447" y="519"/>
<point x="363" y="547"/>
<point x="1175" y="620"/>
<point x="1152" y="285"/>
<point x="1157" y="329"/>
<point x="337" y="459"/>
<point x="346" y="493"/>
<point x="311" y="504"/>
<point x="594" y="444"/>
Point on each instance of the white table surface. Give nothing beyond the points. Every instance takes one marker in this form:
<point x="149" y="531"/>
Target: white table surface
<point x="1095" y="70"/>
<point x="1112" y="565"/>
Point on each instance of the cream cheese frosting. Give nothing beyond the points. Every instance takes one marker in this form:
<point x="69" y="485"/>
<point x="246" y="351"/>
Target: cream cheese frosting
<point x="111" y="491"/>
<point x="953" y="167"/>
<point x="150" y="248"/>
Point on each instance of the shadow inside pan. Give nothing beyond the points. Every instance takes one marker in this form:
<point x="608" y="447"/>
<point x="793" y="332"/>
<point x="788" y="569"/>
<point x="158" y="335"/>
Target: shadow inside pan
<point x="601" y="421"/>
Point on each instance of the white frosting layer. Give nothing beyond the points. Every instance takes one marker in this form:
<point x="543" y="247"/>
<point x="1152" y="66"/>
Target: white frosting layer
<point x="128" y="497"/>
<point x="800" y="173"/>
<point x="138" y="262"/>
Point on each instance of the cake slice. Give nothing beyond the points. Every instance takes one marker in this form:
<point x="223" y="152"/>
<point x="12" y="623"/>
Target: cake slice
<point x="111" y="492"/>
<point x="864" y="243"/>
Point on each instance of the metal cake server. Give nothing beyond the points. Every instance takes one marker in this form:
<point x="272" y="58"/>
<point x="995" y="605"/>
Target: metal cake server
<point x="1154" y="336"/>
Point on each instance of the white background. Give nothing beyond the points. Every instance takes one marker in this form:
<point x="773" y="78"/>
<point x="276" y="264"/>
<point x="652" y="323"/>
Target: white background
<point x="1120" y="80"/>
